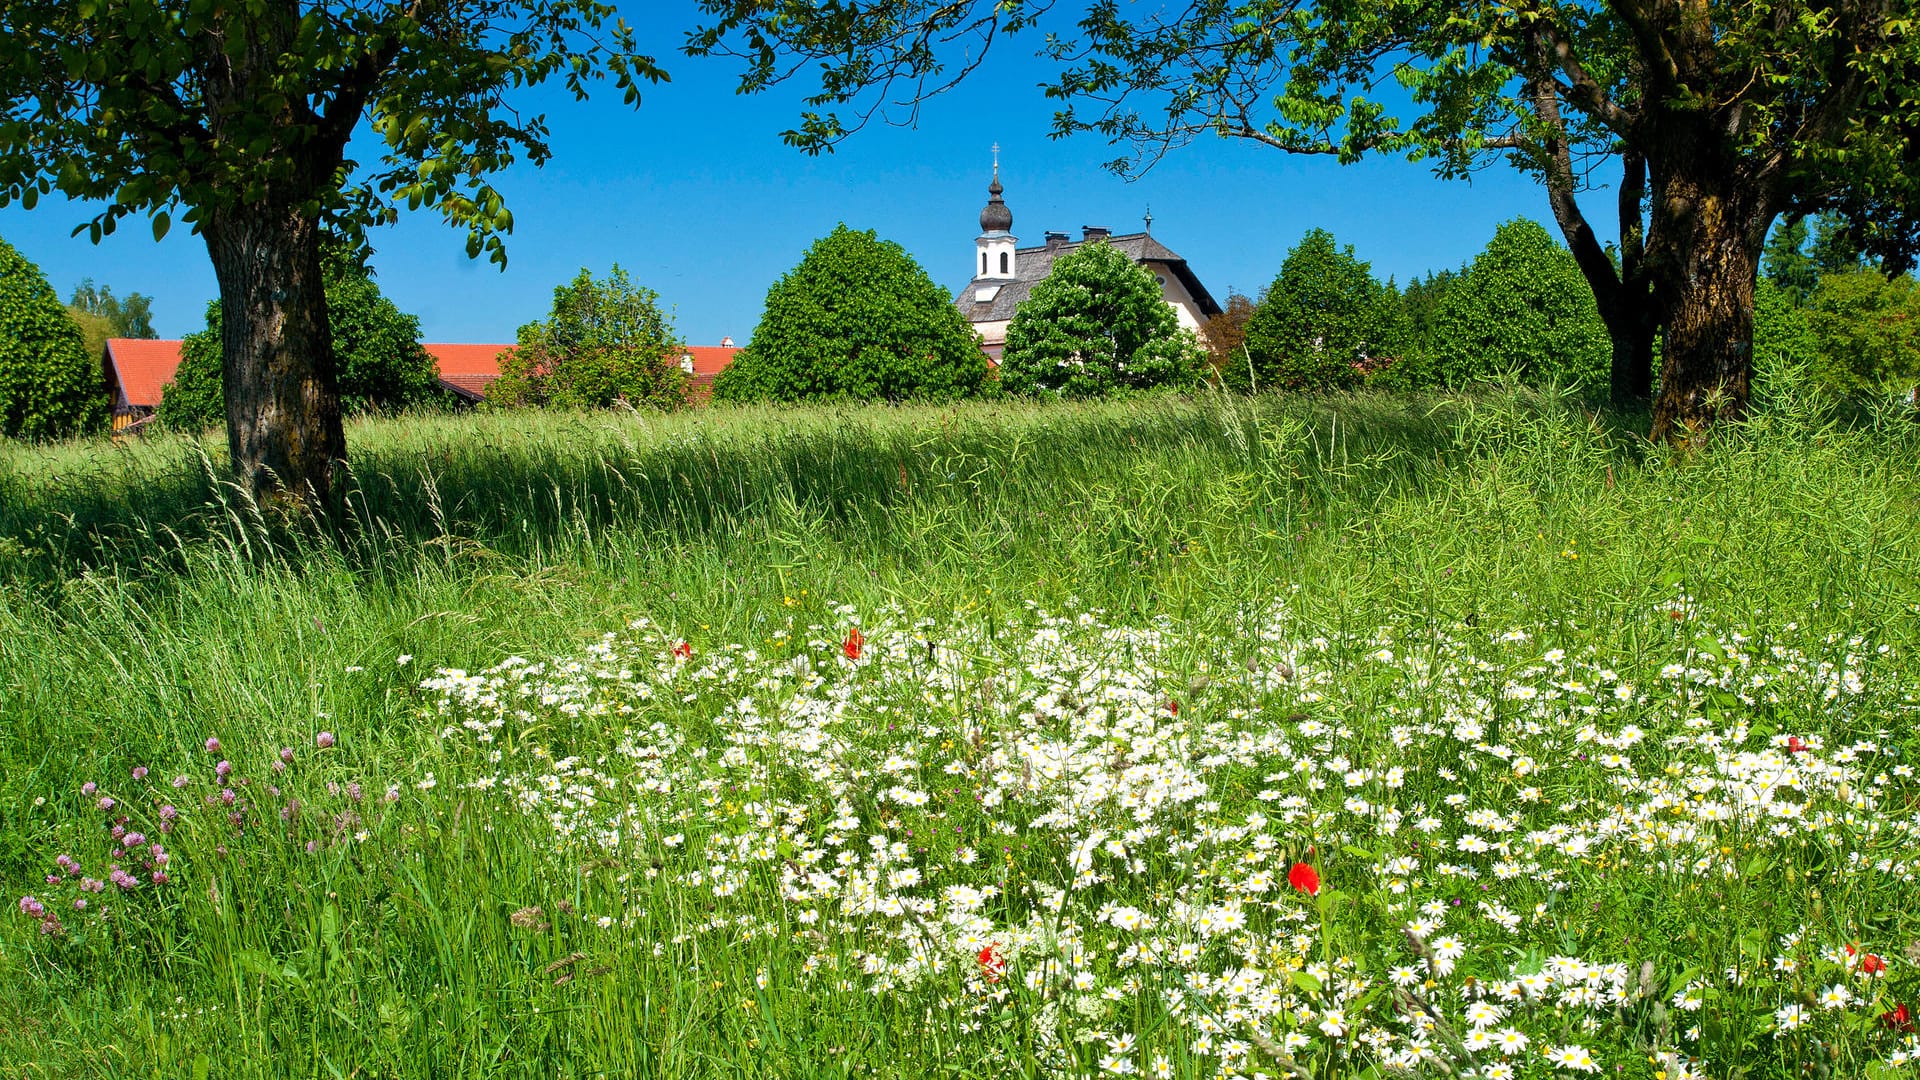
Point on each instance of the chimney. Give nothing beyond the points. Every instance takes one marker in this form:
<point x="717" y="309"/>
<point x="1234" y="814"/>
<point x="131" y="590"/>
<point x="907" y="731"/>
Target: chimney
<point x="1090" y="233"/>
<point x="1056" y="241"/>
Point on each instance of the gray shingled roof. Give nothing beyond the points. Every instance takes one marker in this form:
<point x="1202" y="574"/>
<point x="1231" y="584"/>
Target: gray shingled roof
<point x="1032" y="265"/>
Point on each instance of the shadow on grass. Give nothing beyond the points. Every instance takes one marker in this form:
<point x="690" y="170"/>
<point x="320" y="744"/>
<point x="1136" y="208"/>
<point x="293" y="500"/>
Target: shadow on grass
<point x="527" y="485"/>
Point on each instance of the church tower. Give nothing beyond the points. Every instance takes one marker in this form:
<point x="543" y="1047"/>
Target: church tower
<point x="994" y="258"/>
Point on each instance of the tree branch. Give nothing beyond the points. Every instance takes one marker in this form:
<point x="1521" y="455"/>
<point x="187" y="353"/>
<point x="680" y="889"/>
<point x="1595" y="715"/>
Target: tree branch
<point x="1550" y="50"/>
<point x="1556" y="163"/>
<point x="1657" y="59"/>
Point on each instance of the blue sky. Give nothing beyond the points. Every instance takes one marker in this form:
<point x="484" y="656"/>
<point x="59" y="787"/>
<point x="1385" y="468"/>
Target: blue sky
<point x="696" y="196"/>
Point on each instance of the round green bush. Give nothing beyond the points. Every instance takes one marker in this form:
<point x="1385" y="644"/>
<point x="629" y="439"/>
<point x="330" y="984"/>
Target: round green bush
<point x="1521" y="310"/>
<point x="857" y="319"/>
<point x="1322" y="324"/>
<point x="1096" y="326"/>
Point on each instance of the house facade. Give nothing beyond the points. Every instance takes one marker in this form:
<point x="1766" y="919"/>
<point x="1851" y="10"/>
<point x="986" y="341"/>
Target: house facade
<point x="1005" y="273"/>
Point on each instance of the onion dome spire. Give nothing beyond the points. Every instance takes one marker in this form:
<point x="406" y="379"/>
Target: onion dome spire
<point x="995" y="217"/>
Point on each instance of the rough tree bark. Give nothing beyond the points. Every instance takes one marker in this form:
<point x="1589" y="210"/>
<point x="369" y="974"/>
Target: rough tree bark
<point x="1707" y="229"/>
<point x="284" y="432"/>
<point x="1634" y="322"/>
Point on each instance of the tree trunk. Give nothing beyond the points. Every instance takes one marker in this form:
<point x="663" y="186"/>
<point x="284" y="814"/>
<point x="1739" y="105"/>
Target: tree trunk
<point x="1704" y="269"/>
<point x="283" y="406"/>
<point x="1632" y="333"/>
<point x="1632" y="322"/>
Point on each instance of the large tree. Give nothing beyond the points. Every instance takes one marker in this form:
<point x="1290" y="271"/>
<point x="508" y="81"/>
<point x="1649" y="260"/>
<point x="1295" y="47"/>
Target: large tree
<point x="129" y="318"/>
<point x="1708" y="121"/>
<point x="237" y="115"/>
<point x="102" y="315"/>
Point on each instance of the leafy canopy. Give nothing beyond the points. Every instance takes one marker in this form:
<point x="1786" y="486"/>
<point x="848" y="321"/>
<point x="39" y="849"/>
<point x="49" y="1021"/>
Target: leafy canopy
<point x="1820" y="100"/>
<point x="1098" y="325"/>
<point x="858" y="318"/>
<point x="151" y="106"/>
<point x="382" y="366"/>
<point x="1323" y="324"/>
<point x="50" y="385"/>
<point x="604" y="343"/>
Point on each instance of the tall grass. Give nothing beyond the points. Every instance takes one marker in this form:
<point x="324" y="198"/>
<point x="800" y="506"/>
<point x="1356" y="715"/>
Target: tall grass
<point x="146" y="604"/>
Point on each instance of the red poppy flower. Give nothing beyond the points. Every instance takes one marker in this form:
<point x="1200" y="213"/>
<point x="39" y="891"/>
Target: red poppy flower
<point x="1173" y="707"/>
<point x="1871" y="964"/>
<point x="683" y="650"/>
<point x="851" y="646"/>
<point x="1795" y="746"/>
<point x="1899" y="1019"/>
<point x="1304" y="878"/>
<point x="992" y="964"/>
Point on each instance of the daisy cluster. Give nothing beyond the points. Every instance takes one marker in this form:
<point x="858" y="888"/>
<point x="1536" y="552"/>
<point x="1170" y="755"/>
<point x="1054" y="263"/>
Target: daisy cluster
<point x="1286" y="852"/>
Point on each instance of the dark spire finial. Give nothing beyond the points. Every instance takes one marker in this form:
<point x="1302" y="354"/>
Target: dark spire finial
<point x="995" y="217"/>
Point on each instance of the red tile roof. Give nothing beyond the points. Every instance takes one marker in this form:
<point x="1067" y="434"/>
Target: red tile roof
<point x="142" y="368"/>
<point x="467" y="369"/>
<point x="138" y="369"/>
<point x="709" y="360"/>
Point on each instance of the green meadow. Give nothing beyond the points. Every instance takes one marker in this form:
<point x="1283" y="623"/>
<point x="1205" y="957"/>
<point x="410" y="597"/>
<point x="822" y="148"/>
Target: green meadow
<point x="1317" y="737"/>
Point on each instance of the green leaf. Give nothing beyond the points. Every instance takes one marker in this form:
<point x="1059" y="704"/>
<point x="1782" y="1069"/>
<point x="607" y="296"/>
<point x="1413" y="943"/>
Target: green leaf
<point x="161" y="223"/>
<point x="1679" y="982"/>
<point x="1304" y="981"/>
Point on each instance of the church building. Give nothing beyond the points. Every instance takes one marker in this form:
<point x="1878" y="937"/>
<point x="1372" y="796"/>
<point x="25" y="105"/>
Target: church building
<point x="1005" y="273"/>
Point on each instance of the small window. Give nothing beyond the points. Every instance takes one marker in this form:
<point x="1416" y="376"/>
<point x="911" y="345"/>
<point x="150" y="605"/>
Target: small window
<point x="983" y="264"/>
<point x="1003" y="262"/>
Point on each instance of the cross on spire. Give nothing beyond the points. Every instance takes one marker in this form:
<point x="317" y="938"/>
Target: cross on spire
<point x="996" y="159"/>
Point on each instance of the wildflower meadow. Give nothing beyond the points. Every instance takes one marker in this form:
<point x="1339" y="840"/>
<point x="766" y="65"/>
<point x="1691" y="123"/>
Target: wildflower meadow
<point x="1286" y="738"/>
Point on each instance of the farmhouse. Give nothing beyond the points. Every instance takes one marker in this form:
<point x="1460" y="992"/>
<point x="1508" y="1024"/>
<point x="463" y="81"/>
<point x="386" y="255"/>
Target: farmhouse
<point x="1005" y="273"/>
<point x="137" y="371"/>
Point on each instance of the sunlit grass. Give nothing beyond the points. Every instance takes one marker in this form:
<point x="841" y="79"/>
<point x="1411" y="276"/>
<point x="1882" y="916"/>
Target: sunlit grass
<point x="144" y="608"/>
